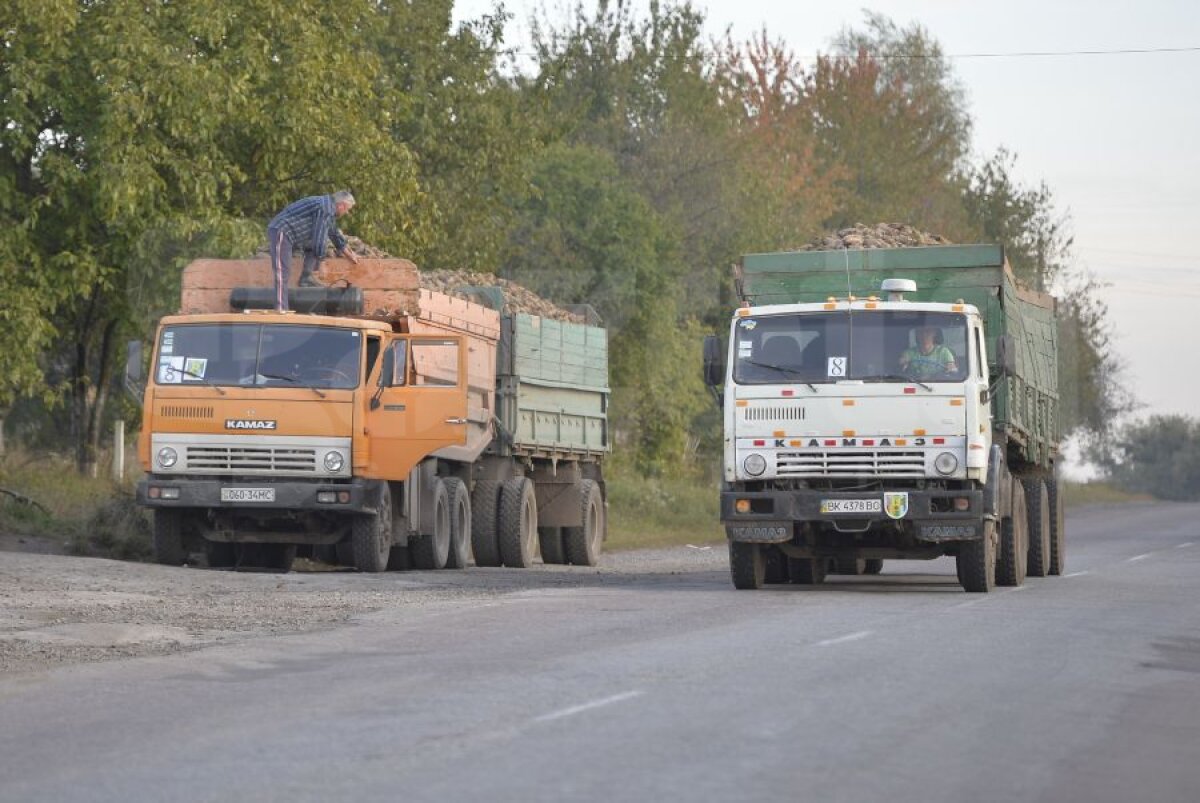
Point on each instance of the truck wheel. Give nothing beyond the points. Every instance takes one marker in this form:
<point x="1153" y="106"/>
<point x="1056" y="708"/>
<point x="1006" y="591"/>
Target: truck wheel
<point x="850" y="566"/>
<point x="873" y="566"/>
<point x="220" y="554"/>
<point x="976" y="561"/>
<point x="582" y="544"/>
<point x="776" y="566"/>
<point x="550" y="540"/>
<point x="431" y="549"/>
<point x="746" y="565"/>
<point x="1058" y="532"/>
<point x="485" y="542"/>
<point x="168" y="537"/>
<point x="460" y="523"/>
<point x="518" y="523"/>
<point x="808" y="571"/>
<point x="371" y="536"/>
<point x="1039" y="527"/>
<point x="1010" y="560"/>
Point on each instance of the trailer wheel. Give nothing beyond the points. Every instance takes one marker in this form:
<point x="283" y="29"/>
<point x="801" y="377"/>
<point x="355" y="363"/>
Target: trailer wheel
<point x="485" y="541"/>
<point x="518" y="523"/>
<point x="808" y="571"/>
<point x="432" y="548"/>
<point x="976" y="561"/>
<point x="873" y="566"/>
<point x="371" y="536"/>
<point x="168" y="537"/>
<point x="1058" y="532"/>
<point x="1011" y="566"/>
<point x="746" y="565"/>
<point x="460" y="523"/>
<point x="582" y="544"/>
<point x="1039" y="527"/>
<point x="776" y="566"/>
<point x="550" y="541"/>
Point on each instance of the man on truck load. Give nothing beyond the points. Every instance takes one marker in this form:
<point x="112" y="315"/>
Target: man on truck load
<point x="306" y="223"/>
<point x="929" y="359"/>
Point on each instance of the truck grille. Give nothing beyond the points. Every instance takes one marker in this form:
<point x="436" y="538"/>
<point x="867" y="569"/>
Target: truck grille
<point x="251" y="459"/>
<point x="846" y="463"/>
<point x="185" y="411"/>
<point x="774" y="413"/>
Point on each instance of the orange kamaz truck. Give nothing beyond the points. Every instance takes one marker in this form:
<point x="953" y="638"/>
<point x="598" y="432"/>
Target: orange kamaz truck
<point x="378" y="425"/>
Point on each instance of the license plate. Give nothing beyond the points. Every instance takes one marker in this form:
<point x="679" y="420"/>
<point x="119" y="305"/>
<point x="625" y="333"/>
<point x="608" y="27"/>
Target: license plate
<point x="851" y="506"/>
<point x="247" y="494"/>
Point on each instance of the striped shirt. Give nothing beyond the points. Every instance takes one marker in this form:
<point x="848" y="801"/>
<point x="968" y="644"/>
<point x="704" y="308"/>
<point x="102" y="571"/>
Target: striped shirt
<point x="308" y="222"/>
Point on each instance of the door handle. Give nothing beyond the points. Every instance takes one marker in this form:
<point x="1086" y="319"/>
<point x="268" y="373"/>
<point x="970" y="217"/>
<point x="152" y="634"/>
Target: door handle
<point x="456" y="420"/>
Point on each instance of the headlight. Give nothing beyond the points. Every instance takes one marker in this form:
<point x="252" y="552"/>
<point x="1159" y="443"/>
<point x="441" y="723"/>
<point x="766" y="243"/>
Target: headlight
<point x="334" y="462"/>
<point x="945" y="463"/>
<point x="167" y="457"/>
<point x="755" y="464"/>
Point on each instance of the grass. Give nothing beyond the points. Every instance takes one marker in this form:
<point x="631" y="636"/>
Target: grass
<point x="1076" y="494"/>
<point x="84" y="516"/>
<point x="660" y="512"/>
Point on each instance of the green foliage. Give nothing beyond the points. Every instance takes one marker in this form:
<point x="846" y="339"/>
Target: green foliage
<point x="660" y="511"/>
<point x="1159" y="456"/>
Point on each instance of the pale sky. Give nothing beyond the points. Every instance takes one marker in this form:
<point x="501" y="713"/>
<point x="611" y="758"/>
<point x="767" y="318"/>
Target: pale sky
<point x="1115" y="137"/>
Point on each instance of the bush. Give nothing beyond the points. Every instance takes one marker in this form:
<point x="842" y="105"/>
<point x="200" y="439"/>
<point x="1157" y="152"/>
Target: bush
<point x="660" y="511"/>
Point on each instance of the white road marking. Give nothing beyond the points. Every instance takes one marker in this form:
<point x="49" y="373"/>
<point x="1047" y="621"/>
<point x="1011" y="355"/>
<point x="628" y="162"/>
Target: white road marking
<point x="986" y="597"/>
<point x="1185" y="545"/>
<point x="1136" y="558"/>
<point x="579" y="709"/>
<point x="1076" y="574"/>
<point x="843" y="639"/>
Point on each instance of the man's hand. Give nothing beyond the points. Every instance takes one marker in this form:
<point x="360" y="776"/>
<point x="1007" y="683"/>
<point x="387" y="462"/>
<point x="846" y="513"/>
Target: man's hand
<point x="350" y="255"/>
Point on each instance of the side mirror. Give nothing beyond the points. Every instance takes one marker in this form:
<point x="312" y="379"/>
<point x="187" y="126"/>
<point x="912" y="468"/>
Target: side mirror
<point x="714" y="361"/>
<point x="134" y="373"/>
<point x="1006" y="355"/>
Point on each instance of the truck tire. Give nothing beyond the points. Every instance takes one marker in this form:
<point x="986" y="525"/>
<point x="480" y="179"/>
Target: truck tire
<point x="550" y="539"/>
<point x="1038" y="504"/>
<point x="1011" y="564"/>
<point x="747" y="566"/>
<point x="431" y="549"/>
<point x="851" y="566"/>
<point x="776" y="566"/>
<point x="460" y="523"/>
<point x="168" y="537"/>
<point x="582" y="544"/>
<point x="874" y="566"/>
<point x="485" y="540"/>
<point x="976" y="561"/>
<point x="1058" y="532"/>
<point x="518" y="523"/>
<point x="371" y="536"/>
<point x="808" y="571"/>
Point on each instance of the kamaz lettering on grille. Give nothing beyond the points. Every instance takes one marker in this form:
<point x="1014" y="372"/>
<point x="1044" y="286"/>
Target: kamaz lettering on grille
<point x="248" y="423"/>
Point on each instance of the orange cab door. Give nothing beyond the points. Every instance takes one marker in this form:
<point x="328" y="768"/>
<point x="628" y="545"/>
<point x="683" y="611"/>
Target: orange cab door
<point x="419" y="404"/>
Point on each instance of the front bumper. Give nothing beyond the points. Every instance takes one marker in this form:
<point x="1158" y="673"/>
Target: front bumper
<point x="290" y="495"/>
<point x="773" y="513"/>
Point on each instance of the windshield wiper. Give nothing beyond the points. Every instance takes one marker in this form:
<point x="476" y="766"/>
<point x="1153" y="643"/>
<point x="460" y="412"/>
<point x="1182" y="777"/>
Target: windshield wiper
<point x="294" y="381"/>
<point x="202" y="378"/>
<point x="793" y="371"/>
<point x="897" y="378"/>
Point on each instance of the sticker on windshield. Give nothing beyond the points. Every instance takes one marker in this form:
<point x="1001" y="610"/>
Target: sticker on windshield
<point x="748" y="324"/>
<point x="194" y="368"/>
<point x="170" y="370"/>
<point x="168" y="344"/>
<point x="745" y="347"/>
<point x="837" y="366"/>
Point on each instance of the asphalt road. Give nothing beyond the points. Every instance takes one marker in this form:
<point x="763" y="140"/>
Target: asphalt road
<point x="572" y="685"/>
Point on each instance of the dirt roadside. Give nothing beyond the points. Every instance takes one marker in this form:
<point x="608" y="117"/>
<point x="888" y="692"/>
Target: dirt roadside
<point x="57" y="610"/>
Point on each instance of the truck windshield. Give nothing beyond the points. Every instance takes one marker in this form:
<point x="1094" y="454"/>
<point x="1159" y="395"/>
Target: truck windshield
<point x="259" y="355"/>
<point x="884" y="346"/>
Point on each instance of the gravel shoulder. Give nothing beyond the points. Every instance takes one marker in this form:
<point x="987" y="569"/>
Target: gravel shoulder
<point x="58" y="610"/>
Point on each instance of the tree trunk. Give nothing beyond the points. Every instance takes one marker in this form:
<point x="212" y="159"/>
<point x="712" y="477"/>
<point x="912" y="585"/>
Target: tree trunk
<point x="90" y="386"/>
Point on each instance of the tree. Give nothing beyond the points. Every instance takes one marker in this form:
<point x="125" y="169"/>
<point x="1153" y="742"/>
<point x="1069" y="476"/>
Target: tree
<point x="1159" y="456"/>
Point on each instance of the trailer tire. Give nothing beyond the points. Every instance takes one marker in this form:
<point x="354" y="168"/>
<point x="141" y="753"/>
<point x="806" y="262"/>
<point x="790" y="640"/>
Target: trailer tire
<point x="976" y="561"/>
<point x="518" y="523"/>
<point x="808" y="571"/>
<point x="747" y="566"/>
<point x="485" y="541"/>
<point x="371" y="536"/>
<point x="1011" y="566"/>
<point x="776" y="566"/>
<point x="1038" y="503"/>
<point x="550" y="540"/>
<point x="431" y="549"/>
<point x="168" y="537"/>
<point x="460" y="523"/>
<point x="582" y="543"/>
<point x="1058" y="532"/>
<point x="874" y="566"/>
